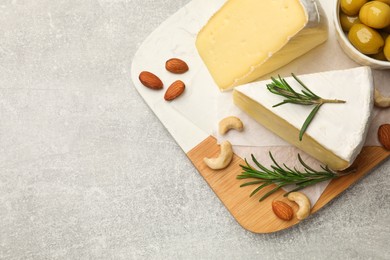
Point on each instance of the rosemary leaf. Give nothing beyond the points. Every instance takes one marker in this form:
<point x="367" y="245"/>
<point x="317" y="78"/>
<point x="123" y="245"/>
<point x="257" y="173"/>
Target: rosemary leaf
<point x="259" y="188"/>
<point x="283" y="176"/>
<point x="250" y="183"/>
<point x="308" y="121"/>
<point x="281" y="87"/>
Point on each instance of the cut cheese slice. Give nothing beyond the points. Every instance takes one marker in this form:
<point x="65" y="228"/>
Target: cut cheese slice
<point x="337" y="134"/>
<point x="246" y="39"/>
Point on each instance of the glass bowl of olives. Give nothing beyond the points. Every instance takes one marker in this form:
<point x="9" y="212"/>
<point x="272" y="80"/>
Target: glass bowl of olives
<point x="363" y="31"/>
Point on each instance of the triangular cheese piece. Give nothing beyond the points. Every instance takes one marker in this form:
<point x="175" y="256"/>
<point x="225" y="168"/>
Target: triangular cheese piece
<point x="337" y="134"/>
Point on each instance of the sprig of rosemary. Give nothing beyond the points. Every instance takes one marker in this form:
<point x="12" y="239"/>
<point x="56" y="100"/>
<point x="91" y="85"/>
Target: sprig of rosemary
<point x="307" y="97"/>
<point x="284" y="176"/>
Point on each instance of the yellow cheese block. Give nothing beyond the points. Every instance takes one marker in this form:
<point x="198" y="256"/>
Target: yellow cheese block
<point x="246" y="39"/>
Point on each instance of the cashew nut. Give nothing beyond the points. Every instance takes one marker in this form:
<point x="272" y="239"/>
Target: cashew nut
<point x="230" y="122"/>
<point x="224" y="158"/>
<point x="303" y="203"/>
<point x="381" y="101"/>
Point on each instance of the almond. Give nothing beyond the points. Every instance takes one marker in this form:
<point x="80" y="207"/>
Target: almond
<point x="176" y="66"/>
<point x="282" y="210"/>
<point x="150" y="80"/>
<point x="174" y="90"/>
<point x="384" y="136"/>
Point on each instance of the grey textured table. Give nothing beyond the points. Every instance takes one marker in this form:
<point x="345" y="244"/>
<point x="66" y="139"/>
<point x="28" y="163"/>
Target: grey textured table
<point x="88" y="171"/>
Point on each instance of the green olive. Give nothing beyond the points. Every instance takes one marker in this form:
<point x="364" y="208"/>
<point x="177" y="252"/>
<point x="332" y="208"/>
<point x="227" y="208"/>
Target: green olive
<point x="365" y="39"/>
<point x="347" y="21"/>
<point x="386" y="49"/>
<point x="375" y="14"/>
<point x="351" y="7"/>
<point x="384" y="1"/>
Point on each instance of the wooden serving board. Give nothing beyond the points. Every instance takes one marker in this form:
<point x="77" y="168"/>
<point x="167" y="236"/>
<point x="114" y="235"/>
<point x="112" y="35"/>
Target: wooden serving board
<point x="191" y="118"/>
<point x="256" y="216"/>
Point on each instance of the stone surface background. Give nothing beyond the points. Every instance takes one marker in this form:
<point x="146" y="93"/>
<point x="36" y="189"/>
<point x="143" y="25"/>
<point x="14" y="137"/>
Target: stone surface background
<point x="88" y="172"/>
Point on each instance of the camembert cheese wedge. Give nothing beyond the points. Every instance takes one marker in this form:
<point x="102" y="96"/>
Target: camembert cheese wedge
<point x="246" y="39"/>
<point x="337" y="134"/>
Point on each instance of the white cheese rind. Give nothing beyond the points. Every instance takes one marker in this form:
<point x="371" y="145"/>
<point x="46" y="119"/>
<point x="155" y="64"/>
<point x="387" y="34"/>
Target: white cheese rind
<point x="243" y="42"/>
<point x="339" y="128"/>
